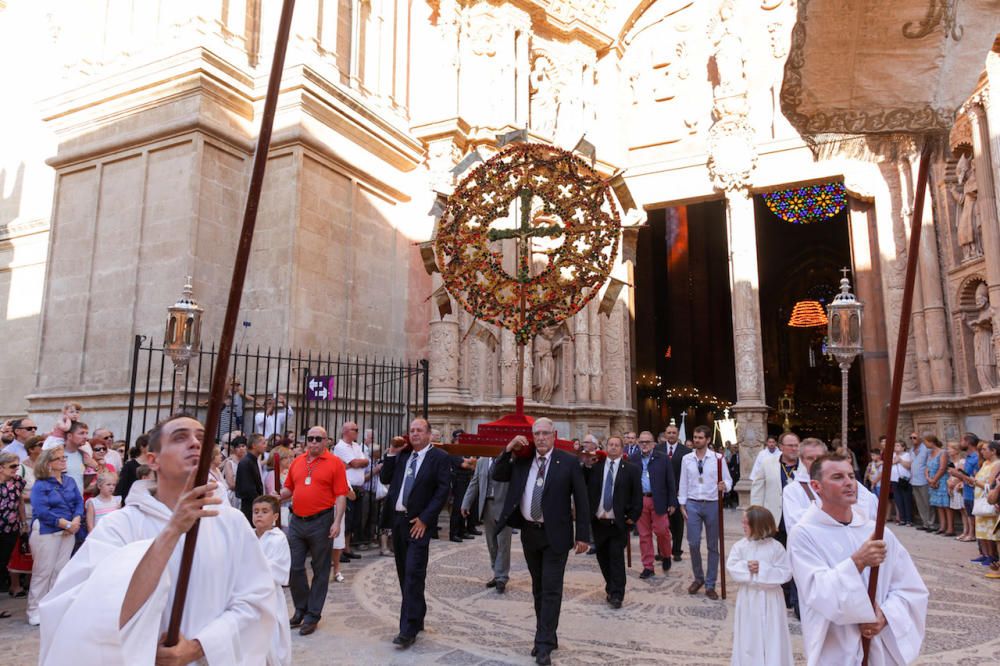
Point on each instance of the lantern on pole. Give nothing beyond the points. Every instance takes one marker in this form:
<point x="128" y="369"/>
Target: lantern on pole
<point x="844" y="339"/>
<point x="182" y="337"/>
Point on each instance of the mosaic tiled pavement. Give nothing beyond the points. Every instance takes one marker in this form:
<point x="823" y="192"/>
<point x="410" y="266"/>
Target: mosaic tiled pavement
<point x="659" y="623"/>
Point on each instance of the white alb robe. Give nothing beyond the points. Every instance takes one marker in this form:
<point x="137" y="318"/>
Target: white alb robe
<point x="230" y="600"/>
<point x="760" y="629"/>
<point x="795" y="500"/>
<point x="833" y="596"/>
<point x="758" y="462"/>
<point x="279" y="559"/>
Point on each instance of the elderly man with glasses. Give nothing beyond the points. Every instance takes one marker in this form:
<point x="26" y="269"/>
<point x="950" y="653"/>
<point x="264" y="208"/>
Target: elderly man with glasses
<point x="317" y="485"/>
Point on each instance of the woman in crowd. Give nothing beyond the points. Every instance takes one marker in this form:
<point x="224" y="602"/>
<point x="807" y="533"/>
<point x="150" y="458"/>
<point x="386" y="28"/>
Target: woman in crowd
<point x="58" y="512"/>
<point x="902" y="492"/>
<point x="281" y="455"/>
<point x="12" y="518"/>
<point x="27" y="472"/>
<point x="988" y="454"/>
<point x="215" y="473"/>
<point x="956" y="509"/>
<point x="937" y="466"/>
<point x="101" y="465"/>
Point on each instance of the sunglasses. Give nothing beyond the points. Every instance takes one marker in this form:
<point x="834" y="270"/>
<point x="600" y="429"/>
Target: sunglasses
<point x="315" y="438"/>
<point x="13" y="466"/>
<point x="98" y="449"/>
<point x="31" y="428"/>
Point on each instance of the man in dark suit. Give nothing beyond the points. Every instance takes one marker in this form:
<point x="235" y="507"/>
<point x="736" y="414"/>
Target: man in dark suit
<point x="676" y="451"/>
<point x="615" y="494"/>
<point x="544" y="487"/>
<point x="659" y="504"/>
<point x="419" y="481"/>
<point x="249" y="483"/>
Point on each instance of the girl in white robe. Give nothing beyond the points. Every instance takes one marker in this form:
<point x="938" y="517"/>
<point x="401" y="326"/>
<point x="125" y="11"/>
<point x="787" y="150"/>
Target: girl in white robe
<point x="279" y="559"/>
<point x="760" y="565"/>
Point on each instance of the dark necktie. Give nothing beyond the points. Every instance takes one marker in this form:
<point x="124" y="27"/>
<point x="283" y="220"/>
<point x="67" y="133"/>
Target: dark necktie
<point x="609" y="483"/>
<point x="411" y="474"/>
<point x="536" y="492"/>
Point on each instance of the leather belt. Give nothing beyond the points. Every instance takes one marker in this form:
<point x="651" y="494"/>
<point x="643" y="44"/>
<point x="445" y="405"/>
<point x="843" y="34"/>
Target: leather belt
<point x="647" y="494"/>
<point x="537" y="526"/>
<point x="314" y="516"/>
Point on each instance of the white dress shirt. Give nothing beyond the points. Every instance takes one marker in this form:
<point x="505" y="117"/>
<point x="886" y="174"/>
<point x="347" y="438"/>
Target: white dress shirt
<point x="671" y="448"/>
<point x="420" y="455"/>
<point x="529" y="486"/>
<point x="702" y="486"/>
<point x="349" y="453"/>
<point x="274" y="423"/>
<point x="610" y="513"/>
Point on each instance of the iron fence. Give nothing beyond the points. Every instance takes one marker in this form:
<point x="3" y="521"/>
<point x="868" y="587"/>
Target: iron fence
<point x="306" y="388"/>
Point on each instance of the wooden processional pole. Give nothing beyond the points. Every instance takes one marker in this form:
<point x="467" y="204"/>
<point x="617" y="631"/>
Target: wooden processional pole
<point x="218" y="388"/>
<point x="722" y="526"/>
<point x="897" y="368"/>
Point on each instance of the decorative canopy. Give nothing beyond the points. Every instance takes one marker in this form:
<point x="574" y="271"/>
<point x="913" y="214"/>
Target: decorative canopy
<point x="812" y="203"/>
<point x="807" y="314"/>
<point x="884" y="66"/>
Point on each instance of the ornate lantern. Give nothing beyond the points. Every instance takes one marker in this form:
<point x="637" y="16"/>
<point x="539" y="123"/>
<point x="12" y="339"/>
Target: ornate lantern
<point x="844" y="339"/>
<point x="182" y="336"/>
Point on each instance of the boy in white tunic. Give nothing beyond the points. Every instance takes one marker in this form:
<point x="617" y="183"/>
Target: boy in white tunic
<point x="832" y="553"/>
<point x="111" y="604"/>
<point x="266" y="510"/>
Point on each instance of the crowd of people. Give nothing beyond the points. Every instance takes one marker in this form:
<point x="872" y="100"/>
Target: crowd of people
<point x="69" y="499"/>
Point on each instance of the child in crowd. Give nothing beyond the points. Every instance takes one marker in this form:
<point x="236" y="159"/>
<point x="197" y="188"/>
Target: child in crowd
<point x="144" y="473"/>
<point x="105" y="502"/>
<point x="760" y="565"/>
<point x="275" y="546"/>
<point x="70" y="412"/>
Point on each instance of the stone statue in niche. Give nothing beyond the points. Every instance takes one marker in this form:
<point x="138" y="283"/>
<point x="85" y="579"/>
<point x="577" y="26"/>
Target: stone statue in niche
<point x="980" y="320"/>
<point x="543" y="104"/>
<point x="544" y="377"/>
<point x="729" y="57"/>
<point x="967" y="197"/>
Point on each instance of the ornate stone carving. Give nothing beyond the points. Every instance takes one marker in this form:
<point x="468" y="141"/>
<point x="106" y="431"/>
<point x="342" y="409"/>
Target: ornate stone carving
<point x="966" y="195"/>
<point x="544" y="104"/>
<point x="443" y="352"/>
<point x="980" y="320"/>
<point x="732" y="154"/>
<point x="776" y="31"/>
<point x="545" y="378"/>
<point x="938" y="12"/>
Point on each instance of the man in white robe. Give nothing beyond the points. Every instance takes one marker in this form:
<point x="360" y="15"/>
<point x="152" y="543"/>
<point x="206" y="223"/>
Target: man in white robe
<point x="832" y="553"/>
<point x="112" y="602"/>
<point x="797" y="495"/>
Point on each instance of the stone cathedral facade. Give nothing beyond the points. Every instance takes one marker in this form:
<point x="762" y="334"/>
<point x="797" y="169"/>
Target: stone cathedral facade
<point x="127" y="152"/>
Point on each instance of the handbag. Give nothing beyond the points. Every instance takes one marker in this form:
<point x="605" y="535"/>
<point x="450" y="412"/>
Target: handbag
<point x="20" y="558"/>
<point x="981" y="506"/>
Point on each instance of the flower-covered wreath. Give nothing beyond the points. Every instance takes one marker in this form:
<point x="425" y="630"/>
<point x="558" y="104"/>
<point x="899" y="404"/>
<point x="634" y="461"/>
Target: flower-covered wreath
<point x="526" y="194"/>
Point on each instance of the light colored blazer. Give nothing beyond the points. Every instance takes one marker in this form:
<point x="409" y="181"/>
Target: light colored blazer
<point x="476" y="491"/>
<point x="766" y="489"/>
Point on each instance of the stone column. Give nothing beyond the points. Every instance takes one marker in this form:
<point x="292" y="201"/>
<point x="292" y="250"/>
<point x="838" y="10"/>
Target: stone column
<point x="987" y="161"/>
<point x="443" y="354"/>
<point x="935" y="315"/>
<point x="750" y="409"/>
<point x="596" y="360"/>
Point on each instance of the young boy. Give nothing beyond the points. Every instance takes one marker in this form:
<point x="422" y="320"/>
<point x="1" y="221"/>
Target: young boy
<point x="266" y="511"/>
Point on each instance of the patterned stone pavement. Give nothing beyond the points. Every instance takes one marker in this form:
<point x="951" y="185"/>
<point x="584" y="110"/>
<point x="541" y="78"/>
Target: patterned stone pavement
<point x="659" y="623"/>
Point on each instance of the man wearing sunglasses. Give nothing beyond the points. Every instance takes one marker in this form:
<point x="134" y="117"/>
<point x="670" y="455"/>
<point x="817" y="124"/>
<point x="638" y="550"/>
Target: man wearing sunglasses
<point x="317" y="485"/>
<point x="24" y="429"/>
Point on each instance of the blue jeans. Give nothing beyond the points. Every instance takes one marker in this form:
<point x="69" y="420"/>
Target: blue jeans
<point x="903" y="498"/>
<point x="703" y="514"/>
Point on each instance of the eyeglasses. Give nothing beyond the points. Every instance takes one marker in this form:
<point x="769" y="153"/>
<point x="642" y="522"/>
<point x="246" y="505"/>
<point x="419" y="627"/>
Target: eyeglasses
<point x="31" y="428"/>
<point x="315" y="438"/>
<point x="99" y="449"/>
<point x="544" y="433"/>
<point x="13" y="466"/>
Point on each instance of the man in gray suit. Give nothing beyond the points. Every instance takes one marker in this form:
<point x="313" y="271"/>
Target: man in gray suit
<point x="490" y="496"/>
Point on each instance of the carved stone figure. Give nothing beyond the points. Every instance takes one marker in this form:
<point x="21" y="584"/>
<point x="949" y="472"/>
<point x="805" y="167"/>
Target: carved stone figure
<point x="981" y="322"/>
<point x="544" y="105"/>
<point x="544" y="376"/>
<point x="967" y="197"/>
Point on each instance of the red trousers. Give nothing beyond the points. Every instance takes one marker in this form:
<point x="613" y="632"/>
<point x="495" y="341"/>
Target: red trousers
<point x="651" y="523"/>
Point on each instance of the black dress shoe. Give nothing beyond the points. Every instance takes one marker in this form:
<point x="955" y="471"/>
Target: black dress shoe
<point x="345" y="558"/>
<point x="353" y="555"/>
<point x="616" y="602"/>
<point x="455" y="539"/>
<point x="468" y="536"/>
<point x="296" y="620"/>
<point x="534" y="650"/>
<point x="646" y="573"/>
<point x="666" y="564"/>
<point x="307" y="628"/>
<point x="475" y="532"/>
<point x="404" y="642"/>
<point x="492" y="582"/>
<point x="543" y="658"/>
<point x="501" y="587"/>
<point x="677" y="557"/>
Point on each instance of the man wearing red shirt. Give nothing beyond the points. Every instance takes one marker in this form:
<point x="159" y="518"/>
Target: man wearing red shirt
<point x="317" y="484"/>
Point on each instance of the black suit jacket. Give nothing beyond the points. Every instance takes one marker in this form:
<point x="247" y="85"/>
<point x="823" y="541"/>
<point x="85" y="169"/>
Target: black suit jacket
<point x="563" y="484"/>
<point x="430" y="488"/>
<point x="679" y="452"/>
<point x="249" y="485"/>
<point x="662" y="482"/>
<point x="626" y="498"/>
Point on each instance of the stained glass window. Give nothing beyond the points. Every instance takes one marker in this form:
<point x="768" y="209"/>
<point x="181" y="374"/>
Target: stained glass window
<point x="812" y="203"/>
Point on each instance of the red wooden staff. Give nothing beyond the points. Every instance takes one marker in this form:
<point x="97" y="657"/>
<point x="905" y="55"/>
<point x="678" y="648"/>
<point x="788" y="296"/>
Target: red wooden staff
<point x="897" y="369"/>
<point x="722" y="527"/>
<point x="221" y="371"/>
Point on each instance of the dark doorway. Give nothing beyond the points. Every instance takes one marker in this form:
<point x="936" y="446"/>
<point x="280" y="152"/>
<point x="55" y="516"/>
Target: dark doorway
<point x="800" y="262"/>
<point x="684" y="329"/>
